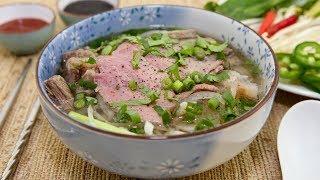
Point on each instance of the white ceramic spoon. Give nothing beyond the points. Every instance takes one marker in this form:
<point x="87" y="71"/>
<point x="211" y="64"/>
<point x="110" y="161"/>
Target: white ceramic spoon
<point x="299" y="142"/>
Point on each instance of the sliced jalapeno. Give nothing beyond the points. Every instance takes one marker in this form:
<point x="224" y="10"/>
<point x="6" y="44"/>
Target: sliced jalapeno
<point x="288" y="69"/>
<point x="308" y="54"/>
<point x="312" y="79"/>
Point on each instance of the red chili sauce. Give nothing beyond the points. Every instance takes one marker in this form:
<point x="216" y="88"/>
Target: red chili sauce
<point x="22" y="25"/>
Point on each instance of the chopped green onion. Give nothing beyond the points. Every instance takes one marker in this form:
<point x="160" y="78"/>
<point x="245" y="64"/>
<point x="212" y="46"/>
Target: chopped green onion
<point x="136" y="128"/>
<point x="181" y="61"/>
<point x="91" y="100"/>
<point x="217" y="48"/>
<point x="87" y="84"/>
<point x="203" y="124"/>
<point x="107" y="50"/>
<point x="79" y="104"/>
<point x="166" y="83"/>
<point x="194" y="108"/>
<point x="136" y="59"/>
<point x="197" y="77"/>
<point x="177" y="86"/>
<point x="79" y="96"/>
<point x="131" y="102"/>
<point x="173" y="72"/>
<point x="169" y="95"/>
<point x="153" y="96"/>
<point x="227" y="96"/>
<point x="228" y="114"/>
<point x="165" y="115"/>
<point x="188" y="83"/>
<point x="91" y="60"/>
<point x="199" y="53"/>
<point x="99" y="124"/>
<point x="217" y="77"/>
<point x="189" y="117"/>
<point x="201" y="42"/>
<point x="213" y="103"/>
<point x="134" y="116"/>
<point x="133" y="85"/>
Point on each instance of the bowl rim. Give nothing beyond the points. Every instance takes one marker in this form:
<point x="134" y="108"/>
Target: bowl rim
<point x="52" y="21"/>
<point x="62" y="11"/>
<point x="243" y="117"/>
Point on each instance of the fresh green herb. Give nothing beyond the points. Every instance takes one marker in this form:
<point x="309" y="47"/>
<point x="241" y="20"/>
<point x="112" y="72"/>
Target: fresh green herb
<point x="253" y="68"/>
<point x="177" y="86"/>
<point x="133" y="85"/>
<point x="221" y="56"/>
<point x="165" y="41"/>
<point x="203" y="124"/>
<point x="188" y="83"/>
<point x="169" y="52"/>
<point x="91" y="101"/>
<point x="80" y="103"/>
<point x="73" y="86"/>
<point x="227" y="96"/>
<point x="156" y="36"/>
<point x="210" y="6"/>
<point x="197" y="77"/>
<point x="189" y="117"/>
<point x="217" y="48"/>
<point x="244" y="9"/>
<point x="165" y="115"/>
<point x="199" y="53"/>
<point x="87" y="84"/>
<point x="166" y="83"/>
<point x="96" y="43"/>
<point x="187" y="48"/>
<point x="201" y="42"/>
<point x="124" y="115"/>
<point x="136" y="59"/>
<point x="91" y="60"/>
<point x="107" y="50"/>
<point x="213" y="103"/>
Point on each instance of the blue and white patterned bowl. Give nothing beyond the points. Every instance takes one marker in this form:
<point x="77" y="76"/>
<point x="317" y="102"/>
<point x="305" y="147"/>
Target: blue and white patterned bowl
<point x="159" y="157"/>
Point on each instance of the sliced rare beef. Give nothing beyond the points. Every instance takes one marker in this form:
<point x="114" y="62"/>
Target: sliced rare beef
<point x="58" y="89"/>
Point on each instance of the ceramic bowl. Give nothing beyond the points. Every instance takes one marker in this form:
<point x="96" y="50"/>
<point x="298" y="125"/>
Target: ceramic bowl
<point x="159" y="157"/>
<point x="29" y="42"/>
<point x="70" y="18"/>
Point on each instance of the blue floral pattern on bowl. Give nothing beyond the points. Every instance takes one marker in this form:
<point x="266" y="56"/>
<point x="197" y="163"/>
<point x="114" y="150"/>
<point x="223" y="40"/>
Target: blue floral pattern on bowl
<point x="192" y="159"/>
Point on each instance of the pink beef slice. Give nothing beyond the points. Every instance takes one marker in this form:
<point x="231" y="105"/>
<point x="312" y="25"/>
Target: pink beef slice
<point x="116" y="71"/>
<point x="205" y="66"/>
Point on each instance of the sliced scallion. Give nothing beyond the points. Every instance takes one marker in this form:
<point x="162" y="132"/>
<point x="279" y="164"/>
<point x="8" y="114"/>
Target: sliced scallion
<point x="177" y="86"/>
<point x="165" y="115"/>
<point x="135" y="62"/>
<point x="133" y="85"/>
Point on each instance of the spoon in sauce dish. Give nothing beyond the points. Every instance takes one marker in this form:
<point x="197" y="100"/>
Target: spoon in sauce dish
<point x="299" y="142"/>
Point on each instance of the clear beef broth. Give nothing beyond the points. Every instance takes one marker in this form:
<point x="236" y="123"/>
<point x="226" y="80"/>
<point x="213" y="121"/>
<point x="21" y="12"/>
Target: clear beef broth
<point x="156" y="82"/>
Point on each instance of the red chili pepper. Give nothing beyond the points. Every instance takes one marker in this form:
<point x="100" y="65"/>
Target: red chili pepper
<point x="282" y="24"/>
<point x="267" y="21"/>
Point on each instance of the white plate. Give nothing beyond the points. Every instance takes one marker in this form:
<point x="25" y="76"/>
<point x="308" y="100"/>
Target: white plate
<point x="299" y="89"/>
<point x="292" y="88"/>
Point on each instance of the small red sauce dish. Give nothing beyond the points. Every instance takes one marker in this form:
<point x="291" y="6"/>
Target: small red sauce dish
<point x="25" y="27"/>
